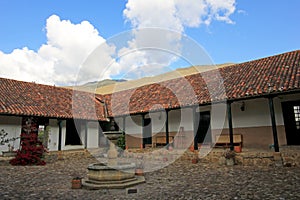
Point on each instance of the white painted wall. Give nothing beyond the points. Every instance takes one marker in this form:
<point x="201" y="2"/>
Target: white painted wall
<point x="158" y="120"/>
<point x="181" y="118"/>
<point x="93" y="134"/>
<point x="12" y="126"/>
<point x="256" y="114"/>
<point x="134" y="124"/>
<point x="54" y="134"/>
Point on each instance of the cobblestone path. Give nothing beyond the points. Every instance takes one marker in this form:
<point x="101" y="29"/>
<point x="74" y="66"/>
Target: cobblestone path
<point x="180" y="180"/>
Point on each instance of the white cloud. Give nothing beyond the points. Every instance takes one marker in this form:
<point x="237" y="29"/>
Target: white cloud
<point x="175" y="15"/>
<point x="69" y="45"/>
<point x="57" y="61"/>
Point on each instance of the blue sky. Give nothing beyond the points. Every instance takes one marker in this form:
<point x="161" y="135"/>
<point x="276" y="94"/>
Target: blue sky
<point x="258" y="28"/>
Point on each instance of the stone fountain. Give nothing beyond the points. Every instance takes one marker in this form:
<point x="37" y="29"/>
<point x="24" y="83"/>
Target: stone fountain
<point x="113" y="174"/>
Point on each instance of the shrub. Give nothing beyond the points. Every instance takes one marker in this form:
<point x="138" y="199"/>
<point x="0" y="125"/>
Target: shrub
<point x="31" y="151"/>
<point x="121" y="142"/>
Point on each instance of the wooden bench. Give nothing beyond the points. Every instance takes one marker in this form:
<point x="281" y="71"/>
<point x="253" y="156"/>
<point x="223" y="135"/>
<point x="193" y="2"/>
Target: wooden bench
<point x="161" y="140"/>
<point x="224" y="140"/>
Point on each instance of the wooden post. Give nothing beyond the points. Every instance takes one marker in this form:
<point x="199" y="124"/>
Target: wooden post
<point x="273" y="120"/>
<point x="195" y="127"/>
<point x="59" y="122"/>
<point x="86" y="135"/>
<point x="143" y="124"/>
<point x="167" y="127"/>
<point x="124" y="124"/>
<point x="229" y="115"/>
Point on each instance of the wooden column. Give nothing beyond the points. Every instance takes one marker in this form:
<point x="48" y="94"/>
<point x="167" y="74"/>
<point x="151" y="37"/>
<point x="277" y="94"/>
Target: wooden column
<point x="229" y="115"/>
<point x="167" y="127"/>
<point x="85" y="134"/>
<point x="59" y="122"/>
<point x="124" y="124"/>
<point x="274" y="127"/>
<point x="143" y="124"/>
<point x="195" y="127"/>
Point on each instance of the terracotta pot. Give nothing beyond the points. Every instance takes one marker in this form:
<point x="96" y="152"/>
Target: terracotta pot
<point x="139" y="172"/>
<point x="76" y="183"/>
<point x="238" y="149"/>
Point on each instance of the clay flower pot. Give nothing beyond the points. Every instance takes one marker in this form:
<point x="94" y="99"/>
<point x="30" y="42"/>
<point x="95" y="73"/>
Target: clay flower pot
<point x="194" y="160"/>
<point x="139" y="171"/>
<point x="238" y="149"/>
<point x="76" y="183"/>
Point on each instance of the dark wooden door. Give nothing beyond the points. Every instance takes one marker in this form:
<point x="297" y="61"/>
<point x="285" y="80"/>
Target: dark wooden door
<point x="291" y="117"/>
<point x="204" y="127"/>
<point x="147" y="132"/>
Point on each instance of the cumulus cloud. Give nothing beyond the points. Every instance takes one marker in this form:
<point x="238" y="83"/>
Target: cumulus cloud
<point x="175" y="15"/>
<point x="68" y="45"/>
<point x="59" y="60"/>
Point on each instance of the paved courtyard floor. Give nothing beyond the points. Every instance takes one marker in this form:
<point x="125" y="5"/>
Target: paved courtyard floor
<point x="180" y="180"/>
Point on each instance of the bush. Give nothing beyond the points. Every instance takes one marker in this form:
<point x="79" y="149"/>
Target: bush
<point x="31" y="151"/>
<point x="121" y="142"/>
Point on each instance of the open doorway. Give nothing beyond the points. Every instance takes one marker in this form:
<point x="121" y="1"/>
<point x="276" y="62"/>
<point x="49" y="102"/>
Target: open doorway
<point x="147" y="132"/>
<point x="204" y="131"/>
<point x="73" y="132"/>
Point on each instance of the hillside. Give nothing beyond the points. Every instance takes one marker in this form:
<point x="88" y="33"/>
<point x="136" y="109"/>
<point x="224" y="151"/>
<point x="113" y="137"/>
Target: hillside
<point x="109" y="86"/>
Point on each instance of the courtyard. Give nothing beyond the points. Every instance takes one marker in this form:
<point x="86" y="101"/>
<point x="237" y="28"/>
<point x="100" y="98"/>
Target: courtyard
<point x="179" y="180"/>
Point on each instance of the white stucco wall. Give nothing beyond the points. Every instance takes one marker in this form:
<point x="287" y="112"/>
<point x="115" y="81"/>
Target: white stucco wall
<point x="181" y="118"/>
<point x="54" y="133"/>
<point x="93" y="134"/>
<point x="134" y="124"/>
<point x="12" y="126"/>
<point x="256" y="114"/>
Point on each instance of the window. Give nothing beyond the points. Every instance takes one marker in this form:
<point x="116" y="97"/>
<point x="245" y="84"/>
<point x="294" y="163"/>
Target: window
<point x="297" y="116"/>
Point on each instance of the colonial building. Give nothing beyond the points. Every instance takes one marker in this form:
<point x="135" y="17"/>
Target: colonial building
<point x="256" y="103"/>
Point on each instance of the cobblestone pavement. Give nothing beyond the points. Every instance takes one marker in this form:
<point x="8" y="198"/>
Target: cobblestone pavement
<point x="180" y="180"/>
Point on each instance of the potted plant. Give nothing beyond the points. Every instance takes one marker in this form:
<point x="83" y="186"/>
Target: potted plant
<point x="229" y="156"/>
<point x="76" y="183"/>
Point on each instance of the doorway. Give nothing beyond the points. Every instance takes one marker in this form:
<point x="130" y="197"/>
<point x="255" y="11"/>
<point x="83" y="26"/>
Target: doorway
<point x="147" y="132"/>
<point x="72" y="135"/>
<point x="204" y="130"/>
<point x="291" y="117"/>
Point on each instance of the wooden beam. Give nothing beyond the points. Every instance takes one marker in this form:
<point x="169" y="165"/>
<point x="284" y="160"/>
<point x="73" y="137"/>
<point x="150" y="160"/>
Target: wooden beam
<point x="229" y="115"/>
<point x="85" y="134"/>
<point x="143" y="130"/>
<point x="195" y="126"/>
<point x="167" y="127"/>
<point x="274" y="127"/>
<point x="124" y="124"/>
<point x="59" y="122"/>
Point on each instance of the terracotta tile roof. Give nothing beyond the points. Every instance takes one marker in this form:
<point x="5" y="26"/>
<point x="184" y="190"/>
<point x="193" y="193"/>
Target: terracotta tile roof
<point x="275" y="74"/>
<point x="30" y="99"/>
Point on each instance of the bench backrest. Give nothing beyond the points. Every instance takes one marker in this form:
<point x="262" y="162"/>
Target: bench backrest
<point x="237" y="138"/>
